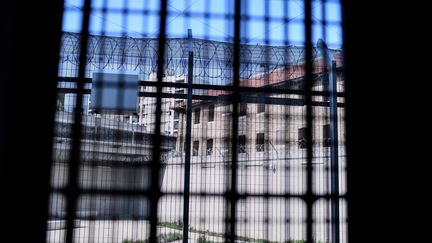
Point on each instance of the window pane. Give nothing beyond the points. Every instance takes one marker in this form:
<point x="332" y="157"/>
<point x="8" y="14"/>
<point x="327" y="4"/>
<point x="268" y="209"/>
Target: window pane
<point x="326" y="136"/>
<point x="209" y="150"/>
<point x="259" y="142"/>
<point x="195" y="148"/>
<point x="302" y="138"/>
<point x="197" y="114"/>
<point x="243" y="109"/>
<point x="211" y="113"/>
<point x="242" y="144"/>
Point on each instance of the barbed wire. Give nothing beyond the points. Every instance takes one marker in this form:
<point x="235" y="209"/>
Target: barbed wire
<point x="212" y="59"/>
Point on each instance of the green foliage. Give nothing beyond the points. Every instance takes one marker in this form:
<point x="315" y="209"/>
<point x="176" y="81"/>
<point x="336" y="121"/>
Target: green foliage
<point x="134" y="241"/>
<point x="163" y="238"/>
<point x="172" y="225"/>
<point x="203" y="239"/>
<point x="169" y="237"/>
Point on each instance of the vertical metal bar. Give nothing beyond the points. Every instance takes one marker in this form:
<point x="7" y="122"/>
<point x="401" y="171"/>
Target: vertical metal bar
<point x="334" y="163"/>
<point x="334" y="153"/>
<point x="72" y="189"/>
<point x="309" y="118"/>
<point x="267" y="120"/>
<point x="188" y="140"/>
<point x="155" y="165"/>
<point x="347" y="46"/>
<point x="236" y="100"/>
<point x="233" y="194"/>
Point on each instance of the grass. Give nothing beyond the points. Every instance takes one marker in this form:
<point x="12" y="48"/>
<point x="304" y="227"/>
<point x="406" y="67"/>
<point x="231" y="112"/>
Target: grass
<point x="203" y="239"/>
<point x="162" y="238"/>
<point x="172" y="225"/>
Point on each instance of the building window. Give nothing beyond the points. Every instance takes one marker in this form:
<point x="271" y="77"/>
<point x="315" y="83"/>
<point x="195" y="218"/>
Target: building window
<point x="211" y="113"/>
<point x="209" y="150"/>
<point x="195" y="148"/>
<point x="259" y="142"/>
<point x="243" y="109"/>
<point x="302" y="137"/>
<point x="326" y="136"/>
<point x="242" y="144"/>
<point x="197" y="116"/>
<point x="179" y="91"/>
<point x="260" y="108"/>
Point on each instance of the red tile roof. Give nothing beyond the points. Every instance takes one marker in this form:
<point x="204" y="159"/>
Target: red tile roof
<point x="278" y="75"/>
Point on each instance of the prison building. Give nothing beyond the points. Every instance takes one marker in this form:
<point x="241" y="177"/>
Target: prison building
<point x="268" y="125"/>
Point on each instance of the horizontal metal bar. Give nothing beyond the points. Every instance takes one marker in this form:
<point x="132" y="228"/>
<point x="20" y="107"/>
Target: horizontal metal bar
<point x="71" y="91"/>
<point x="147" y="192"/>
<point x="132" y="218"/>
<point x="245" y="89"/>
<point x="74" y="79"/>
<point x="223" y="98"/>
<point x="266" y="90"/>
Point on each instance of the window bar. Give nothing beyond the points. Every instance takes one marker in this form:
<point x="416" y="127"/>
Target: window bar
<point x="267" y="120"/>
<point x="92" y="226"/>
<point x="287" y="121"/>
<point x="345" y="7"/>
<point x="242" y="89"/>
<point x="188" y="141"/>
<point x="72" y="187"/>
<point x="328" y="176"/>
<point x="334" y="153"/>
<point x="233" y="194"/>
<point x="309" y="197"/>
<point x="120" y="103"/>
<point x="155" y="165"/>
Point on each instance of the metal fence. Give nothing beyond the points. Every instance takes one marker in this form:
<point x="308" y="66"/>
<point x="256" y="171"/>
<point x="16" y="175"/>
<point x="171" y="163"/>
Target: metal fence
<point x="229" y="140"/>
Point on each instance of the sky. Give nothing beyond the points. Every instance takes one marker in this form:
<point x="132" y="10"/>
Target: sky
<point x="210" y="19"/>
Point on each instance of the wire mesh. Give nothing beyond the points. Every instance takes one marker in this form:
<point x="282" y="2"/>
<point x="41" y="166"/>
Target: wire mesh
<point x="231" y="136"/>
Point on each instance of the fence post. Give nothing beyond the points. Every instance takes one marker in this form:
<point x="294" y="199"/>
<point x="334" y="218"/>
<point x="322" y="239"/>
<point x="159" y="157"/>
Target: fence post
<point x="188" y="140"/>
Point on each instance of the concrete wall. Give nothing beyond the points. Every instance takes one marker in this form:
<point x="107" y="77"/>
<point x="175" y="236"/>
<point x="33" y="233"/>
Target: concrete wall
<point x="275" y="219"/>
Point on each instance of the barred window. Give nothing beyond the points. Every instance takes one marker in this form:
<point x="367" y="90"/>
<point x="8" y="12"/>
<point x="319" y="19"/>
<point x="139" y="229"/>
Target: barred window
<point x="195" y="148"/>
<point x="209" y="150"/>
<point x="211" y="113"/>
<point x="326" y="136"/>
<point x="242" y="144"/>
<point x="243" y="109"/>
<point x="259" y="142"/>
<point x="302" y="138"/>
<point x="197" y="114"/>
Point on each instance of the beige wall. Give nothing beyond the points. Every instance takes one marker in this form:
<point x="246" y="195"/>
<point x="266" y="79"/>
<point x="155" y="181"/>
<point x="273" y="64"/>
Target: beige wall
<point x="147" y="107"/>
<point x="279" y="123"/>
